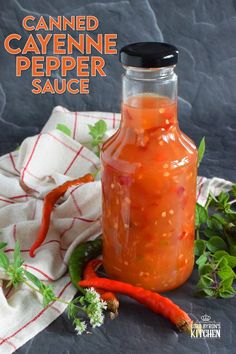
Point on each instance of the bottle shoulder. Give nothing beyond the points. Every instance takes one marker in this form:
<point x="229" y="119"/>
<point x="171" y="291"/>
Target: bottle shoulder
<point x="128" y="147"/>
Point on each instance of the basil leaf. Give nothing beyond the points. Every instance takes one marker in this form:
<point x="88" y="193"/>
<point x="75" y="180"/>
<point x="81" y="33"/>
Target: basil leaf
<point x="202" y="259"/>
<point x="98" y="130"/>
<point x="209" y="232"/>
<point x="2" y="244"/>
<point x="226" y="272"/>
<point x="234" y="190"/>
<point x="4" y="261"/>
<point x="232" y="249"/>
<point x="201" y="150"/>
<point x="226" y="283"/>
<point x="64" y="129"/>
<point x="199" y="247"/>
<point x="33" y="278"/>
<point x="216" y="243"/>
<point x="219" y="219"/>
<point x="206" y="269"/>
<point x="201" y="215"/>
<point x="214" y="224"/>
<point x="226" y="294"/>
<point x="223" y="197"/>
<point x="220" y="254"/>
<point x="17" y="256"/>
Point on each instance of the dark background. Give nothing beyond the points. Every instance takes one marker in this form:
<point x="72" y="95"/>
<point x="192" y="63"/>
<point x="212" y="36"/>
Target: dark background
<point x="205" y="32"/>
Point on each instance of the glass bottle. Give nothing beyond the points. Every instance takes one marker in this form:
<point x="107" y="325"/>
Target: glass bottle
<point x="149" y="170"/>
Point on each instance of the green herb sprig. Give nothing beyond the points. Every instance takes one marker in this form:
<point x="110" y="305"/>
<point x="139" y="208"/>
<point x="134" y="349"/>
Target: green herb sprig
<point x="215" y="245"/>
<point x="88" y="304"/>
<point x="97" y="132"/>
<point x="201" y="150"/>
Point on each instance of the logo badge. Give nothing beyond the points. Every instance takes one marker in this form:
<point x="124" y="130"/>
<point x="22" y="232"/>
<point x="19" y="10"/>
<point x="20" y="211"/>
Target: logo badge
<point x="206" y="328"/>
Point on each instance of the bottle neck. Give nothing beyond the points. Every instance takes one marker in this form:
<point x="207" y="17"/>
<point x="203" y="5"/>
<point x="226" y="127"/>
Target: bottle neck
<point x="152" y="81"/>
<point x="149" y="99"/>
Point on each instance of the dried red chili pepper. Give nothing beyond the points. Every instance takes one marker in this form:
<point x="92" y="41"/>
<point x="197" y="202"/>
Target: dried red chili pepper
<point x="154" y="301"/>
<point x="107" y="296"/>
<point x="49" y="201"/>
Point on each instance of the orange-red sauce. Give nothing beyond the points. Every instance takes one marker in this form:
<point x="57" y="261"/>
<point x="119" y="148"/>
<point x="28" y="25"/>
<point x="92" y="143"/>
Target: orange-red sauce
<point x="149" y="192"/>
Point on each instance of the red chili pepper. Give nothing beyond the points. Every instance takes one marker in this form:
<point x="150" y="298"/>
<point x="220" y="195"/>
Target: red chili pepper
<point x="49" y="201"/>
<point x="107" y="296"/>
<point x="154" y="301"/>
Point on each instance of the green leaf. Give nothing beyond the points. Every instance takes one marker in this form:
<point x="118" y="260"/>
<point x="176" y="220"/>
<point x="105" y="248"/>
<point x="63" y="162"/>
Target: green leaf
<point x="209" y="232"/>
<point x="201" y="215"/>
<point x="47" y="293"/>
<point x="231" y="260"/>
<point x="202" y="259"/>
<point x="4" y="261"/>
<point x="205" y="281"/>
<point x="15" y="274"/>
<point x="232" y="250"/>
<point x="98" y="130"/>
<point x="226" y="289"/>
<point x="226" y="283"/>
<point x="64" y="129"/>
<point x="199" y="247"/>
<point x="2" y="244"/>
<point x="214" y="224"/>
<point x="206" y="269"/>
<point x="228" y="293"/>
<point x="206" y="292"/>
<point x="201" y="150"/>
<point x="220" y="219"/>
<point x="33" y="279"/>
<point x="226" y="272"/>
<point x="18" y="261"/>
<point x="223" y="197"/>
<point x="216" y="243"/>
<point x="234" y="190"/>
<point x="220" y="254"/>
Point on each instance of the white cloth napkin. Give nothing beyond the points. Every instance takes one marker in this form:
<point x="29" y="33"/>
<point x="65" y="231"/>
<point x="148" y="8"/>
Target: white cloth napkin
<point x="43" y="162"/>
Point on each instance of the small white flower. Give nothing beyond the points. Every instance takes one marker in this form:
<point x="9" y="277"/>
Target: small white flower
<point x="80" y="327"/>
<point x="92" y="296"/>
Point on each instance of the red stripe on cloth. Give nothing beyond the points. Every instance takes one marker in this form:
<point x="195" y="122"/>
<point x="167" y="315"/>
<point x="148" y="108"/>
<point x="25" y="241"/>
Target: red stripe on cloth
<point x="73" y="222"/>
<point x="73" y="160"/>
<point x="13" y="163"/>
<point x="30" y="157"/>
<point x="12" y="250"/>
<point x="114" y="120"/>
<point x="9" y="343"/>
<point x="75" y="125"/>
<point x="200" y="187"/>
<point x="20" y="196"/>
<point x="61" y="142"/>
<point x="8" y="250"/>
<point x="6" y="201"/>
<point x="39" y="271"/>
<point x="89" y="160"/>
<point x="36" y="317"/>
<point x="69" y="228"/>
<point x="87" y="220"/>
<point x="76" y="187"/>
<point x="76" y="204"/>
